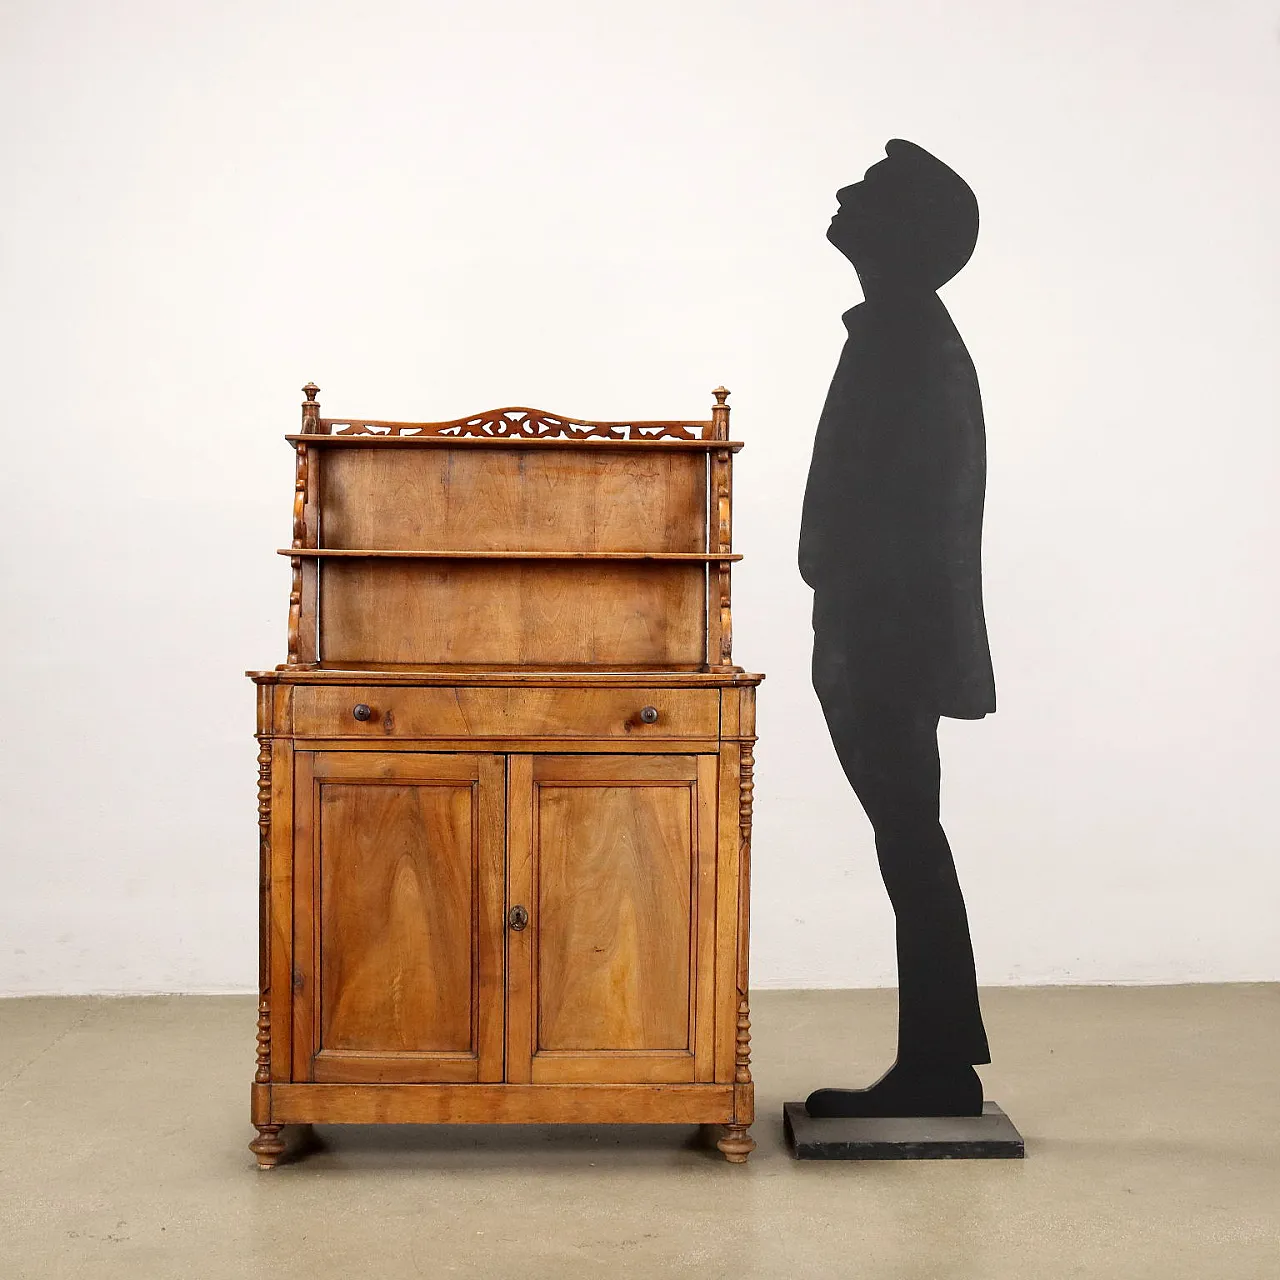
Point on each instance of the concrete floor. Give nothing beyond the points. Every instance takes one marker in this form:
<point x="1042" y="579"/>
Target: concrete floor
<point x="1152" y="1119"/>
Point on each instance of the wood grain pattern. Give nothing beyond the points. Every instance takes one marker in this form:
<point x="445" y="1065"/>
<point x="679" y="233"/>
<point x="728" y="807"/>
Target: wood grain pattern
<point x="472" y="675"/>
<point x="407" y="885"/>
<point x="730" y="714"/>
<point x="614" y="914"/>
<point x="611" y="854"/>
<point x="727" y="899"/>
<point x="277" y="942"/>
<point x="522" y="1032"/>
<point x="397" y="886"/>
<point x="524" y="500"/>
<point x="503" y="1103"/>
<point x="280" y="721"/>
<point x="565" y="742"/>
<point x="704" y="942"/>
<point x="522" y="613"/>
<point x="308" y="636"/>
<point x="305" y="945"/>
<point x="460" y="712"/>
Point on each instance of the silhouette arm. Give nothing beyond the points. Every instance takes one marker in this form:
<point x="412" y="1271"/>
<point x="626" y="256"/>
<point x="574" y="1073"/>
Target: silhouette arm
<point x="815" y="525"/>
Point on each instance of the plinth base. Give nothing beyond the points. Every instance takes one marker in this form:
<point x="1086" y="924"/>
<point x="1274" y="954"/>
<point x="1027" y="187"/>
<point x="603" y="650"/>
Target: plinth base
<point x="990" y="1136"/>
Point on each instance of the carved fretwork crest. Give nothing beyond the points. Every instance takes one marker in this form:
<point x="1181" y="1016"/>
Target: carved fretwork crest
<point x="532" y="424"/>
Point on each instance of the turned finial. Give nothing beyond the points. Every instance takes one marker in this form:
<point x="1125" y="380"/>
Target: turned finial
<point x="720" y="414"/>
<point x="310" y="410"/>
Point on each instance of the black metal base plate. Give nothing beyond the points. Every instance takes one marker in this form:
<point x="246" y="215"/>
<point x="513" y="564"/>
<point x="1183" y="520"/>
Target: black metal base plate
<point x="990" y="1136"/>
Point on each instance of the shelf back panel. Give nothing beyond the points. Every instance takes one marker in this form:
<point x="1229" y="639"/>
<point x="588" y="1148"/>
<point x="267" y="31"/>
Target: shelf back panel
<point x="513" y="500"/>
<point x="535" y="613"/>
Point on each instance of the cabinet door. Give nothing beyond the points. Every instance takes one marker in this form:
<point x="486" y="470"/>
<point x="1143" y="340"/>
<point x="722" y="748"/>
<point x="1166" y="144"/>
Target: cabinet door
<point x="398" y="917"/>
<point x="613" y="858"/>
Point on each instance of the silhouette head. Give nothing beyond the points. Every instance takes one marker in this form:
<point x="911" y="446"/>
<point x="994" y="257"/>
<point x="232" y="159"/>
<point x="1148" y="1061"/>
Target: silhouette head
<point x="911" y="223"/>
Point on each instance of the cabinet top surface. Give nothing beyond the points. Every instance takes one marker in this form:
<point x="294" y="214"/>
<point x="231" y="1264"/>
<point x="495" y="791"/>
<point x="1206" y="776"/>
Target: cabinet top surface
<point x="590" y="444"/>
<point x="522" y="677"/>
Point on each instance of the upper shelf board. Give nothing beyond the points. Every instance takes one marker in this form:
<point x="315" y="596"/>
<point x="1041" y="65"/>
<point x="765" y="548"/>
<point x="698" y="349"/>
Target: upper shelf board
<point x="516" y="442"/>
<point x="699" y="557"/>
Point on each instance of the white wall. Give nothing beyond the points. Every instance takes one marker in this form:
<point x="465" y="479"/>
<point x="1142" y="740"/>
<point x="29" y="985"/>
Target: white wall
<point x="606" y="210"/>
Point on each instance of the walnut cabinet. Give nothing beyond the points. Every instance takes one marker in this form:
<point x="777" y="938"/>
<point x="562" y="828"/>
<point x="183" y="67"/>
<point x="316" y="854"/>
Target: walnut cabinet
<point x="505" y="782"/>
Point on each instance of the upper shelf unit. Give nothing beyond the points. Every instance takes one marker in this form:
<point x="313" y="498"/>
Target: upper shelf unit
<point x="514" y="537"/>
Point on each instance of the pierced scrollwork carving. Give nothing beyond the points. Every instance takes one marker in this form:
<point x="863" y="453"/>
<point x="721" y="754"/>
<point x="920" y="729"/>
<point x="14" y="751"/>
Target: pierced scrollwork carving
<point x="525" y="423"/>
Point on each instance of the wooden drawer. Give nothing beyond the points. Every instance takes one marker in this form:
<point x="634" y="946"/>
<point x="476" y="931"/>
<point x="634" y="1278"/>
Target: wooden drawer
<point x="398" y="712"/>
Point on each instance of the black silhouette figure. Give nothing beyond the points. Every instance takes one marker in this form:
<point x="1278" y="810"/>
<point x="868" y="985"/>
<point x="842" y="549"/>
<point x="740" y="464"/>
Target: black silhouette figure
<point x="891" y="544"/>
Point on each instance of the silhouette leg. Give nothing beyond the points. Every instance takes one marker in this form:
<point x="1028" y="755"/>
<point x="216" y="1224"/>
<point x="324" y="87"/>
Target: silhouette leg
<point x="890" y="755"/>
<point x="939" y="1019"/>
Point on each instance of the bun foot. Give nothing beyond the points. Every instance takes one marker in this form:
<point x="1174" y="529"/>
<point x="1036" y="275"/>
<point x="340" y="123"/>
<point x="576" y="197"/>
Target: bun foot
<point x="736" y="1144"/>
<point x="268" y="1146"/>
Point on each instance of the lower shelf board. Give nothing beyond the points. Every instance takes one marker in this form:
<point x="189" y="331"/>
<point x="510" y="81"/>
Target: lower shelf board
<point x="499" y="1103"/>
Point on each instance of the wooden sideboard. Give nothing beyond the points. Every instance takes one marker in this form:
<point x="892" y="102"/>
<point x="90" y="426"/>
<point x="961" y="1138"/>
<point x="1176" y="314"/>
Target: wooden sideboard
<point x="505" y="781"/>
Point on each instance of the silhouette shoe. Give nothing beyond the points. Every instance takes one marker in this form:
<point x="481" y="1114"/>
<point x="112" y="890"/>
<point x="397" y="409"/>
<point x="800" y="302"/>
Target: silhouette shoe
<point x="905" y="1091"/>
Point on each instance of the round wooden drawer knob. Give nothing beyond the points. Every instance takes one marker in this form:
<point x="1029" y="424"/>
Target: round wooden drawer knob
<point x="362" y="711"/>
<point x="649" y="715"/>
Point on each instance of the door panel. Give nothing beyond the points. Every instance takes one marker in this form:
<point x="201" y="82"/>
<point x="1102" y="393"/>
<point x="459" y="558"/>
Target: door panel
<point x="614" y="870"/>
<point x="403" y="981"/>
<point x="395" y="918"/>
<point x="614" y="859"/>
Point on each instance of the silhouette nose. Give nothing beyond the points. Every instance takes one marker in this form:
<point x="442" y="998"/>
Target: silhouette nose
<point x="845" y="192"/>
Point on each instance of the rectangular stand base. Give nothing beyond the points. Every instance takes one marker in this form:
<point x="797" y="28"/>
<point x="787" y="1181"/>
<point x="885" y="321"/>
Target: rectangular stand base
<point x="990" y="1136"/>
